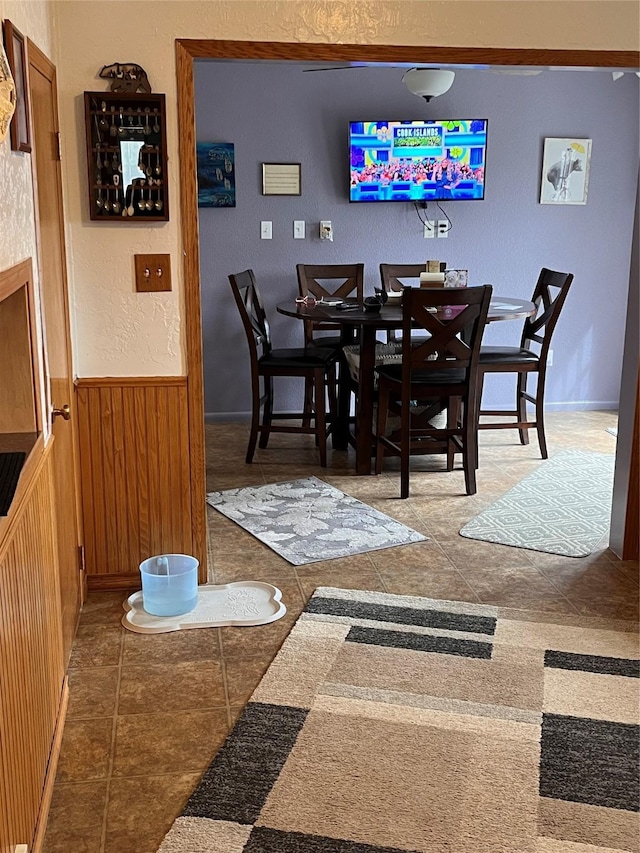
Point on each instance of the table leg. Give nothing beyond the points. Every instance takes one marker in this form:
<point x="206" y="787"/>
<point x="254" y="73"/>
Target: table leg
<point x="364" y="408"/>
<point x="340" y="434"/>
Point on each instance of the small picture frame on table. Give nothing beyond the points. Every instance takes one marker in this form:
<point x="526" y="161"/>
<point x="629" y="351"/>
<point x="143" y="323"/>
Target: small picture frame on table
<point x="456" y="278"/>
<point x="15" y="48"/>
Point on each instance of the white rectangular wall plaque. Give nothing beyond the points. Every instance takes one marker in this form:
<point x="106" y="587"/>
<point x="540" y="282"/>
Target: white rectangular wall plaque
<point x="281" y="179"/>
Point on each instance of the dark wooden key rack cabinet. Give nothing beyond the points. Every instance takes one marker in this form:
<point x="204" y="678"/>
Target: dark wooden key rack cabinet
<point x="126" y="157"/>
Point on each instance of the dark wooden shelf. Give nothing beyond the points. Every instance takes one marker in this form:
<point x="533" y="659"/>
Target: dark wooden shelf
<point x="103" y="147"/>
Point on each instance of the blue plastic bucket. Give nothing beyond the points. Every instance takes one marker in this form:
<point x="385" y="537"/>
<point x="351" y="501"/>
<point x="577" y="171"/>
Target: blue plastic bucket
<point x="169" y="584"/>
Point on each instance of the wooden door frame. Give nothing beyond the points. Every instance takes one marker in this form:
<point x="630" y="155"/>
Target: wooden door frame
<point x="188" y="50"/>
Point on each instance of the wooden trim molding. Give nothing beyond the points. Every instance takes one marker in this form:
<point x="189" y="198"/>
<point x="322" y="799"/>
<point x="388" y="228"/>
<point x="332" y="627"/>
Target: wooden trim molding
<point x="413" y="54"/>
<point x="15" y="277"/>
<point x="123" y="581"/>
<point x="189" y="49"/>
<point x="52" y="766"/>
<point x="31" y="657"/>
<point x="12" y="280"/>
<point x="193" y="313"/>
<point x="131" y="382"/>
<point x="135" y="468"/>
<point x="30" y="470"/>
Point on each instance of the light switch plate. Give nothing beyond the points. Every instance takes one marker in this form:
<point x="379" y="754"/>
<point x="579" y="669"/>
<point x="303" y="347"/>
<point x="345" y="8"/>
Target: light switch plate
<point x="153" y="273"/>
<point x="298" y="229"/>
<point x="266" y="230"/>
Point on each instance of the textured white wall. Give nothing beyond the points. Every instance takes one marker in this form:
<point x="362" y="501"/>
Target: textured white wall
<point x="34" y="19"/>
<point x="119" y="332"/>
<point x="17" y="234"/>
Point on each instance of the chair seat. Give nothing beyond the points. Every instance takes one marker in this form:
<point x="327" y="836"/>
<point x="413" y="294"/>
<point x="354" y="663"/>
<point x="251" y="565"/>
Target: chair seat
<point x="495" y="355"/>
<point x="326" y="342"/>
<point x="298" y="358"/>
<point x="393" y="372"/>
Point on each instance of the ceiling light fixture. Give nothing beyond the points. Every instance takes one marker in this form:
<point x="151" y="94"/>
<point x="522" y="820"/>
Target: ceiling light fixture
<point x="428" y="83"/>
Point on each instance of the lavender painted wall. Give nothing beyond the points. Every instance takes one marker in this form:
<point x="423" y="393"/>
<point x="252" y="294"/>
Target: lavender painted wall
<point x="275" y="113"/>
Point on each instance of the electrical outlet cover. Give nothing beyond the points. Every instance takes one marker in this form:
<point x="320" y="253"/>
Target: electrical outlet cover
<point x="326" y="229"/>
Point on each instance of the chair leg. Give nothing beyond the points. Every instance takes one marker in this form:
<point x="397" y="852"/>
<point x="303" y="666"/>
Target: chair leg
<point x="469" y="447"/>
<point x="381" y="427"/>
<point x="453" y="422"/>
<point x="521" y="406"/>
<point x="255" y="422"/>
<point x="480" y="389"/>
<point x="320" y="419"/>
<point x="308" y="402"/>
<point x="267" y="411"/>
<point x="542" y="440"/>
<point x="332" y="392"/>
<point x="405" y="446"/>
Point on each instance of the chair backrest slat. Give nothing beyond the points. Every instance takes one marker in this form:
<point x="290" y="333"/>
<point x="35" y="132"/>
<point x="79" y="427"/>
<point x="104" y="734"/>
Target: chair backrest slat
<point x="549" y="295"/>
<point x="254" y="318"/>
<point x="339" y="280"/>
<point x="393" y="276"/>
<point x="454" y="318"/>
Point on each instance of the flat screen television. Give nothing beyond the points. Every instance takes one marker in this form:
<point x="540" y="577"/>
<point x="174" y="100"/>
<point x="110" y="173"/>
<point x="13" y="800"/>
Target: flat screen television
<point x="417" y="160"/>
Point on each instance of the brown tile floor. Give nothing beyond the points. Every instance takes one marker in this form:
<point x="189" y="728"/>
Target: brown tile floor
<point x="147" y="714"/>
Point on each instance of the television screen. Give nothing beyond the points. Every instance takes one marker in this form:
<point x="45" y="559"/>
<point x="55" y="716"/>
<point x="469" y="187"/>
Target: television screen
<point x="417" y="160"/>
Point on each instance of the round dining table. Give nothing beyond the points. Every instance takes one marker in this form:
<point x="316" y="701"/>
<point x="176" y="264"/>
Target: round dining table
<point x="360" y="326"/>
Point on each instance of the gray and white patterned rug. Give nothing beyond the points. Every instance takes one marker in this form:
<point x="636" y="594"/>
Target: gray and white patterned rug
<point x="307" y="520"/>
<point x="563" y="507"/>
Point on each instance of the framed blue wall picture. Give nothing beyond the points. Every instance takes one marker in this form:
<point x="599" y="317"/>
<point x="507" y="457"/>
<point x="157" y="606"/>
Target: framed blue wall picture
<point x="216" y="174"/>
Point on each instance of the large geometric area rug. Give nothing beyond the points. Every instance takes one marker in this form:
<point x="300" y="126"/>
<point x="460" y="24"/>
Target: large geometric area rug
<point x="307" y="520"/>
<point x="392" y="723"/>
<point x="563" y="507"/>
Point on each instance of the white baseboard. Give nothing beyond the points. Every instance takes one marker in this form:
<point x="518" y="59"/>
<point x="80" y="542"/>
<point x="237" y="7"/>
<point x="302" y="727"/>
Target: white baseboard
<point x="227" y="417"/>
<point x="584" y="406"/>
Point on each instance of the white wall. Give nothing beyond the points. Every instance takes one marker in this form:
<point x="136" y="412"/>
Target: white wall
<point x="34" y="19"/>
<point x="17" y="230"/>
<point x="119" y="332"/>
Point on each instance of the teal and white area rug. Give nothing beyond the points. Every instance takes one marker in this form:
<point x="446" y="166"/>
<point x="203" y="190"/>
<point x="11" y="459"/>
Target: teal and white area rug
<point x="307" y="520"/>
<point x="563" y="507"/>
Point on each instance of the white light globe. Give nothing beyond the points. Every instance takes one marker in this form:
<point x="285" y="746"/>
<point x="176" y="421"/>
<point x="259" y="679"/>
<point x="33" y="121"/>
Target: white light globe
<point x="428" y="82"/>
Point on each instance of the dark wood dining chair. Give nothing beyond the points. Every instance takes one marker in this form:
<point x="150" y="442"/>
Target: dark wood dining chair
<point x="530" y="357"/>
<point x="440" y="369"/>
<point x="342" y="281"/>
<point x="394" y="276"/>
<point x="316" y="366"/>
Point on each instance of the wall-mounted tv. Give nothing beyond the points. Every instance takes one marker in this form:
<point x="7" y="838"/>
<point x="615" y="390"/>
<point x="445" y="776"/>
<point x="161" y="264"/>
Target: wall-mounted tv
<point x="417" y="160"/>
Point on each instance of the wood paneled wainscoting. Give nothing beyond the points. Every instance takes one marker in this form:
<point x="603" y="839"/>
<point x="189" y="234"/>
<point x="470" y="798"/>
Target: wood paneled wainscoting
<point x="33" y="688"/>
<point x="134" y="467"/>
